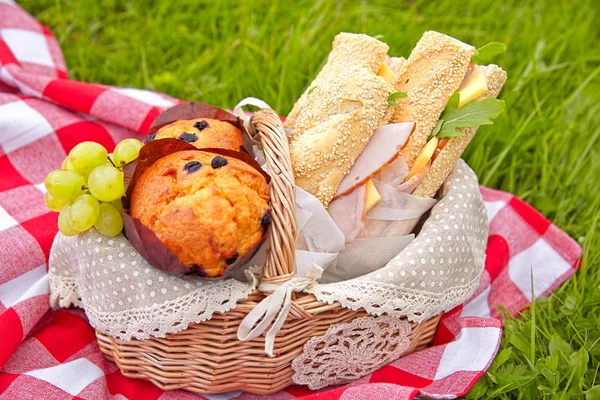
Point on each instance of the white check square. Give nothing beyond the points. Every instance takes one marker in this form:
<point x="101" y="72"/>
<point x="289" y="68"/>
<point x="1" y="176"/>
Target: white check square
<point x="28" y="46"/>
<point x="471" y="351"/>
<point x="493" y="208"/>
<point x="72" y="377"/>
<point x="6" y="220"/>
<point x="21" y="125"/>
<point x="479" y="306"/>
<point x="541" y="260"/>
<point x="30" y="284"/>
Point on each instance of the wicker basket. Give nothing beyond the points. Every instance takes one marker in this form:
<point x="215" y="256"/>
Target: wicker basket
<point x="208" y="358"/>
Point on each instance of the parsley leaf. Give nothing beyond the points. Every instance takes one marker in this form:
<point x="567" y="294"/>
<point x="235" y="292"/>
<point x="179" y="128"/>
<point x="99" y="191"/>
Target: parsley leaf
<point x="472" y="114"/>
<point x="311" y="90"/>
<point x="486" y="53"/>
<point x="396" y="96"/>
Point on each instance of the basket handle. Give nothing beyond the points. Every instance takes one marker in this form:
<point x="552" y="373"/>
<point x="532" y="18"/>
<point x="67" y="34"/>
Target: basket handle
<point x="279" y="265"/>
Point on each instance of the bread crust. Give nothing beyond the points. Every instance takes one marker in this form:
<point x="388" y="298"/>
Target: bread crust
<point x="347" y="47"/>
<point x="430" y="75"/>
<point x="444" y="162"/>
<point x="335" y="125"/>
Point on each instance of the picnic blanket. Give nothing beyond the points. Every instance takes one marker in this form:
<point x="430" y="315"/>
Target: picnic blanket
<point x="53" y="354"/>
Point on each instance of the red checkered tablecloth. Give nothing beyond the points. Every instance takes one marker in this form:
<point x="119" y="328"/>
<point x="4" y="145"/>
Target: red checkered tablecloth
<point x="52" y="354"/>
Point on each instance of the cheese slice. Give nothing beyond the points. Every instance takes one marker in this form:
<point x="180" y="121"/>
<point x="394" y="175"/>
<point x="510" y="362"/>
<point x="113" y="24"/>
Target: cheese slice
<point x="372" y="197"/>
<point x="472" y="87"/>
<point x="423" y="157"/>
<point x="386" y="73"/>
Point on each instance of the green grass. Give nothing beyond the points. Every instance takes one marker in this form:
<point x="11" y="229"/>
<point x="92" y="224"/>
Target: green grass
<point x="545" y="148"/>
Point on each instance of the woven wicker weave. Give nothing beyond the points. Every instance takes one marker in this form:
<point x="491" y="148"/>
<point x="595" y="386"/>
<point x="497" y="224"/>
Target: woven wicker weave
<point x="208" y="357"/>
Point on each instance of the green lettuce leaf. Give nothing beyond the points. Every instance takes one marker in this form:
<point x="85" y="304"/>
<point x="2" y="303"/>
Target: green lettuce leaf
<point x="485" y="54"/>
<point x="472" y="114"/>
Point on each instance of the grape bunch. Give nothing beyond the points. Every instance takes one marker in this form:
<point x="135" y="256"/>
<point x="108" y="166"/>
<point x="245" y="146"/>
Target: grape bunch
<point x="87" y="190"/>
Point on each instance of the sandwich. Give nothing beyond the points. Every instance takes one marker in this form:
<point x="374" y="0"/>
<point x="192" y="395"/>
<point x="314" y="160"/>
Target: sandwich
<point x="336" y="116"/>
<point x="368" y="114"/>
<point x="438" y="68"/>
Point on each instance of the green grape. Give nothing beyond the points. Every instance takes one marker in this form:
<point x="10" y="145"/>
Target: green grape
<point x="64" y="226"/>
<point x="86" y="156"/>
<point x="127" y="151"/>
<point x="110" y="222"/>
<point x="67" y="164"/>
<point x="64" y="184"/>
<point x="84" y="212"/>
<point x="106" y="183"/>
<point x="118" y="205"/>
<point x="54" y="203"/>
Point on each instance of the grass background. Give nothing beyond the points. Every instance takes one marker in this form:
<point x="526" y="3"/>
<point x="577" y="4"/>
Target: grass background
<point x="544" y="148"/>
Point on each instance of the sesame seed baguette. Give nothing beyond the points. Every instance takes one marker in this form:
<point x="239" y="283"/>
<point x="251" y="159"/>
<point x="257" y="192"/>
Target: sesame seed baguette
<point x="430" y="75"/>
<point x="335" y="125"/>
<point x="346" y="47"/>
<point x="358" y="47"/>
<point x="444" y="162"/>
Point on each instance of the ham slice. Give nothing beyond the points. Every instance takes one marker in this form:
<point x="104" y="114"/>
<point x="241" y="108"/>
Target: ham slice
<point x="411" y="184"/>
<point x="394" y="173"/>
<point x="349" y="213"/>
<point x="383" y="148"/>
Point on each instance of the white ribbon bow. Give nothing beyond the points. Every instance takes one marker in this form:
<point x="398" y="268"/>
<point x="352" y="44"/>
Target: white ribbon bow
<point x="277" y="304"/>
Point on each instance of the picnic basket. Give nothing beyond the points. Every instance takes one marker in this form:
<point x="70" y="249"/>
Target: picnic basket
<point x="208" y="357"/>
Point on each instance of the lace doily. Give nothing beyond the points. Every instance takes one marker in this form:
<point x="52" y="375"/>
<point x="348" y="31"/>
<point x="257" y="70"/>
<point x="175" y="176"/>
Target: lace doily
<point x="351" y="350"/>
<point x="124" y="297"/>
<point x="437" y="271"/>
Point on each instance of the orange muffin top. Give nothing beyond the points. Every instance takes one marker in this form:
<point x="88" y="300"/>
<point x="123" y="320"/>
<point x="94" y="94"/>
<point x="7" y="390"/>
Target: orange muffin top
<point x="203" y="133"/>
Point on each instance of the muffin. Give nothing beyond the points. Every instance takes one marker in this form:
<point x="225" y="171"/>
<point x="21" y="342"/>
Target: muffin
<point x="207" y="209"/>
<point x="203" y="133"/>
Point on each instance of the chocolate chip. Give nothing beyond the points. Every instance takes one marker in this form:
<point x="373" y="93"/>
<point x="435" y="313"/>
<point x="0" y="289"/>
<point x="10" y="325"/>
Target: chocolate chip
<point x="150" y="138"/>
<point x="201" y="125"/>
<point x="218" y="162"/>
<point x="192" y="166"/>
<point x="196" y="270"/>
<point x="232" y="259"/>
<point x="188" y="137"/>
<point x="265" y="221"/>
